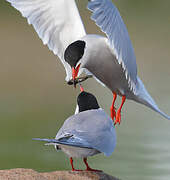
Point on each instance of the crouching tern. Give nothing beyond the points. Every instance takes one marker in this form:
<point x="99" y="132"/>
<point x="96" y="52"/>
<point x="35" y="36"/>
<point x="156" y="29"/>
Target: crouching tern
<point x="111" y="59"/>
<point x="89" y="132"/>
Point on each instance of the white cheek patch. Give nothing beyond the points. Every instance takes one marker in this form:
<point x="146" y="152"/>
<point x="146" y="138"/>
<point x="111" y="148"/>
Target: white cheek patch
<point x="77" y="110"/>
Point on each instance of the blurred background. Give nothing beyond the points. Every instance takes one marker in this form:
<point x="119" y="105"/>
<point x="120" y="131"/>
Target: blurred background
<point x="35" y="99"/>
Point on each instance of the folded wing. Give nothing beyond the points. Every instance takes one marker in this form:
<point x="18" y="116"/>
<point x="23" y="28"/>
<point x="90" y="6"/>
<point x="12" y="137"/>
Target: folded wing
<point x="93" y="128"/>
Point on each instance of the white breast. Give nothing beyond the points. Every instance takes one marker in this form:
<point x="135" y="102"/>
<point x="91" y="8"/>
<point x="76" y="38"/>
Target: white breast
<point x="77" y="152"/>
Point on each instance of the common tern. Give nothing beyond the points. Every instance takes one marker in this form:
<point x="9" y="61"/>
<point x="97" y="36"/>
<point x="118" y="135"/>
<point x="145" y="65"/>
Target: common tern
<point x="111" y="59"/>
<point x="89" y="132"/>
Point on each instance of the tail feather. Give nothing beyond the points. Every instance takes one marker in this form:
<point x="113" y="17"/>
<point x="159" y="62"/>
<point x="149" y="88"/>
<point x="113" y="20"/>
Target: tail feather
<point x="48" y="141"/>
<point x="143" y="97"/>
<point x="57" y="142"/>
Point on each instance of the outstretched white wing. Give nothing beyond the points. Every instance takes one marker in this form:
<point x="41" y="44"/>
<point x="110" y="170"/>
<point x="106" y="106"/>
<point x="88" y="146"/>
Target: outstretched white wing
<point x="57" y="23"/>
<point x="108" y="18"/>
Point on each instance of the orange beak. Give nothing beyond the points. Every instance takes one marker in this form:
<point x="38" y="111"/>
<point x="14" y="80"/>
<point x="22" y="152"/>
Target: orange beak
<point x="74" y="74"/>
<point x="81" y="88"/>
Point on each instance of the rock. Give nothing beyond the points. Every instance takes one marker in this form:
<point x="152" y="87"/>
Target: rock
<point x="29" y="174"/>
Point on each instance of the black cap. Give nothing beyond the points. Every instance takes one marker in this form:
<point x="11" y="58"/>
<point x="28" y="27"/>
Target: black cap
<point x="74" y="52"/>
<point x="87" y="101"/>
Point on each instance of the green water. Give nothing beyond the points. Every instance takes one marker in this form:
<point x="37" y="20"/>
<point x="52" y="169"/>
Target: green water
<point x="35" y="100"/>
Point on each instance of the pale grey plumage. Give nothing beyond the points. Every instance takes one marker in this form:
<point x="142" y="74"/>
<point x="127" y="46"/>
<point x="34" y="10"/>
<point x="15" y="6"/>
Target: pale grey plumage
<point x="112" y="74"/>
<point x="88" y="133"/>
<point x="58" y="24"/>
<point x="107" y="17"/>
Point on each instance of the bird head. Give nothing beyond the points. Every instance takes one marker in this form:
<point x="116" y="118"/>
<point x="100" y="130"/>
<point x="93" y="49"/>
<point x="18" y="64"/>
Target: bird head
<point x="87" y="101"/>
<point x="72" y="55"/>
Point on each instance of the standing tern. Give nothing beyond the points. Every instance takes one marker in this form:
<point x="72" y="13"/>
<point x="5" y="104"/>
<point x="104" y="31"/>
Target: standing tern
<point x="89" y="132"/>
<point x="111" y="59"/>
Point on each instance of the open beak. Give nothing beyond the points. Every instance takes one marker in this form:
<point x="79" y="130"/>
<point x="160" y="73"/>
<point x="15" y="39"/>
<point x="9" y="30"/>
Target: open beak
<point x="74" y="74"/>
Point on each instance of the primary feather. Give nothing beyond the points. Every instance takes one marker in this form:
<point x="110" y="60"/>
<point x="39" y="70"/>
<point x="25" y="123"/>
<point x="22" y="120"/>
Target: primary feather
<point x="67" y="142"/>
<point x="57" y="23"/>
<point x="108" y="18"/>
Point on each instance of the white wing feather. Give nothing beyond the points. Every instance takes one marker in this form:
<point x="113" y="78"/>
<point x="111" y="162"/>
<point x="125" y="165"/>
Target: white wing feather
<point x="108" y="18"/>
<point x="57" y="23"/>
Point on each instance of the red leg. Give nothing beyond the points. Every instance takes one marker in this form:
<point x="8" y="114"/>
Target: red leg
<point x="88" y="168"/>
<point x="71" y="162"/>
<point x="118" y="115"/>
<point x="112" y="108"/>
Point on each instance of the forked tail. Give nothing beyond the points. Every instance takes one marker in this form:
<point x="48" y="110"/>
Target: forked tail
<point x="143" y="97"/>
